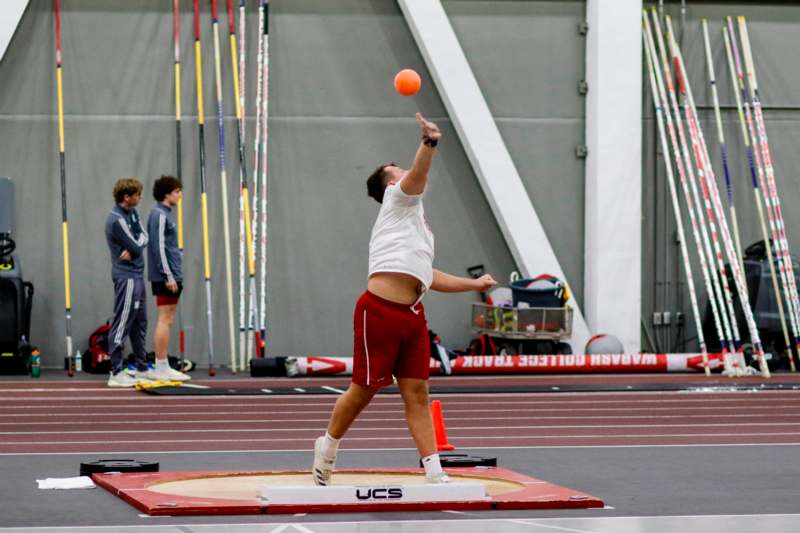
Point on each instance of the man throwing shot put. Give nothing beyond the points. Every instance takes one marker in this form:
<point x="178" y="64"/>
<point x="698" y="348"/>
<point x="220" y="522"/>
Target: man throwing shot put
<point x="390" y="330"/>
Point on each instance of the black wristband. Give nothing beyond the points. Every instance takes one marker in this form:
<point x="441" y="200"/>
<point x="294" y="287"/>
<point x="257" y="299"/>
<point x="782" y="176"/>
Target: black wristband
<point x="427" y="141"/>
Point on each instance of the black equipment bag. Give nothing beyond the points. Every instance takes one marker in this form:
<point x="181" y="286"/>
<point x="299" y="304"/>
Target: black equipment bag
<point x="763" y="301"/>
<point x="16" y="303"/>
<point x="16" y="295"/>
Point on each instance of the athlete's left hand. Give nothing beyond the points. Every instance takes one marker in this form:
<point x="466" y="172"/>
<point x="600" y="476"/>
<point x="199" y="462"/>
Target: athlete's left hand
<point x="484" y="283"/>
<point x="172" y="285"/>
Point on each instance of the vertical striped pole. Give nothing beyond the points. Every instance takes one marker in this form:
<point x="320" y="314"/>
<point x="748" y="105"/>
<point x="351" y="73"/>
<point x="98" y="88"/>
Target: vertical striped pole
<point x="224" y="186"/>
<point x="242" y="252"/>
<point x="745" y="122"/>
<point x="244" y="199"/>
<point x="686" y="172"/>
<point x="708" y="181"/>
<point x="262" y="306"/>
<point x="769" y="172"/>
<point x="176" y="35"/>
<point x="659" y="96"/>
<point x="254" y="314"/>
<point x="203" y="194"/>
<point x="64" y="220"/>
<point x="722" y="146"/>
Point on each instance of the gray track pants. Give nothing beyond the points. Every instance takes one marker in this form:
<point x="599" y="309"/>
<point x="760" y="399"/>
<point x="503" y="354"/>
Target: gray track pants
<point x="130" y="320"/>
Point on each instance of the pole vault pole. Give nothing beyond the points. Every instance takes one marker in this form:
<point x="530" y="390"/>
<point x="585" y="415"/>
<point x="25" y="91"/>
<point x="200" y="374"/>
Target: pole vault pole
<point x="686" y="172"/>
<point x="722" y="146"/>
<point x="769" y="173"/>
<point x="262" y="306"/>
<point x="242" y="253"/>
<point x="251" y="311"/>
<point x="659" y="94"/>
<point x="745" y="122"/>
<point x="736" y="365"/>
<point x="203" y="194"/>
<point x="176" y="35"/>
<point x="253" y="318"/>
<point x="708" y="181"/>
<point x="64" y="220"/>
<point x="244" y="194"/>
<point x="224" y="186"/>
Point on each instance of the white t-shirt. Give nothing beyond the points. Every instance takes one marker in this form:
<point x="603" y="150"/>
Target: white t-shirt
<point x="401" y="240"/>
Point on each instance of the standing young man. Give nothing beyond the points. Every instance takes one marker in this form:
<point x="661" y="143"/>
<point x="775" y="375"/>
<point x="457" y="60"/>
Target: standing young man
<point x="164" y="271"/>
<point x="126" y="241"/>
<point x="390" y="330"/>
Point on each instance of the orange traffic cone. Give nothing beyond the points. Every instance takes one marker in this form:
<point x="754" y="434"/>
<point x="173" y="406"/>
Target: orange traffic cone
<point x="438" y="428"/>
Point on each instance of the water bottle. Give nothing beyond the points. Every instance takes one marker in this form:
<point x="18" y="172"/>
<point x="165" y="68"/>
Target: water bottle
<point x="78" y="362"/>
<point x="36" y="369"/>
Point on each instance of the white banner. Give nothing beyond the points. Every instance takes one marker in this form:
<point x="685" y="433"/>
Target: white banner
<point x="529" y="364"/>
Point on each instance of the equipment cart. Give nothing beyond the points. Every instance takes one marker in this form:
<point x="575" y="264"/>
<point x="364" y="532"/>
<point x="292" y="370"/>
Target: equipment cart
<point x="524" y="330"/>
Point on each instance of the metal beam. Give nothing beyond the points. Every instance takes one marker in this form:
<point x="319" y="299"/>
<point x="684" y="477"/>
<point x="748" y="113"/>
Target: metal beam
<point x="10" y="15"/>
<point x="612" y="290"/>
<point x="476" y="128"/>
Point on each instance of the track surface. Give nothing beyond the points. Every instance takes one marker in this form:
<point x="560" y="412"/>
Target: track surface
<point x="87" y="417"/>
<point x="670" y="459"/>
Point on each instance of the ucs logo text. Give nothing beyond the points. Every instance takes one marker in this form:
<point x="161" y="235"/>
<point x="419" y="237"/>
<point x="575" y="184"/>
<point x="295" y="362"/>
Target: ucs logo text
<point x="387" y="493"/>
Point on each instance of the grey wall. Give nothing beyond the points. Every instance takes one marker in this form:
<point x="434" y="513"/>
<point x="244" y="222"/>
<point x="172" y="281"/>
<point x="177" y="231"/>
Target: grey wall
<point x="773" y="35"/>
<point x="528" y="58"/>
<point x="333" y="117"/>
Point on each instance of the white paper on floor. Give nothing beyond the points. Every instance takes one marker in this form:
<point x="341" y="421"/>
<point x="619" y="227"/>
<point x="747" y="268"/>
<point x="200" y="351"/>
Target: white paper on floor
<point x="80" y="482"/>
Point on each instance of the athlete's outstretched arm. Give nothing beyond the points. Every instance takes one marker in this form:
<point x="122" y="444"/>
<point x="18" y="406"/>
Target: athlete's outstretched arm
<point x="417" y="177"/>
<point x="444" y="282"/>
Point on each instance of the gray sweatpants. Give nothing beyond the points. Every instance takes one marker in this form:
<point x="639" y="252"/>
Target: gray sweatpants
<point x="130" y="320"/>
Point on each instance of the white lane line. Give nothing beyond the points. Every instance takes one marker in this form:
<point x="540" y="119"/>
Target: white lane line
<point x="451" y="429"/>
<point x="548" y="526"/>
<point x="28" y="409"/>
<point x="363" y="418"/>
<point x="420" y="523"/>
<point x="406" y="437"/>
<point x="413" y="449"/>
<point x="293" y="400"/>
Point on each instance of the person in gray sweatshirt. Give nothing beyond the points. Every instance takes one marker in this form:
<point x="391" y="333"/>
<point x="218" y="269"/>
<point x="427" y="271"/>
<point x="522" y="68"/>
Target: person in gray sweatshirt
<point x="165" y="270"/>
<point x="127" y="240"/>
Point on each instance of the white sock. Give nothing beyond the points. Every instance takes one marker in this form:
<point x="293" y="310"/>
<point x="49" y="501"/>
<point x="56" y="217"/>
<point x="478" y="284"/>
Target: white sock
<point x="433" y="467"/>
<point x="330" y="445"/>
<point x="162" y="365"/>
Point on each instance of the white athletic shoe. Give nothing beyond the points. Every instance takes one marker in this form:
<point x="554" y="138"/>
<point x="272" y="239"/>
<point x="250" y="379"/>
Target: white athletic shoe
<point x="323" y="465"/>
<point x="175" y="375"/>
<point x="145" y="375"/>
<point x="170" y="374"/>
<point x="437" y="479"/>
<point x="121" y="379"/>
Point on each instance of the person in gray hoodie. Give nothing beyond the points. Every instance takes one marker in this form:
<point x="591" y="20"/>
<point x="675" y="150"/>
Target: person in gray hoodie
<point x="165" y="271"/>
<point x="127" y="240"/>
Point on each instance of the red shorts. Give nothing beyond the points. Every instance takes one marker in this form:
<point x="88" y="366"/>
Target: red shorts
<point x="388" y="338"/>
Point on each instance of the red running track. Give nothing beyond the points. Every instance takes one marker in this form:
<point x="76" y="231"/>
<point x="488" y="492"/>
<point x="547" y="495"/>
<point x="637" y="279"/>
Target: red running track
<point x="85" y="417"/>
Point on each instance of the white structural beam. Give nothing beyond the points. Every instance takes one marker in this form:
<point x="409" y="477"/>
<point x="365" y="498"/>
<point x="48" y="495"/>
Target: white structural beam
<point x="476" y="128"/>
<point x="612" y="283"/>
<point x="10" y="15"/>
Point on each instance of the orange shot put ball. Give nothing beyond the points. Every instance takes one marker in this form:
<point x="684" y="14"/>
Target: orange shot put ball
<point x="407" y="82"/>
